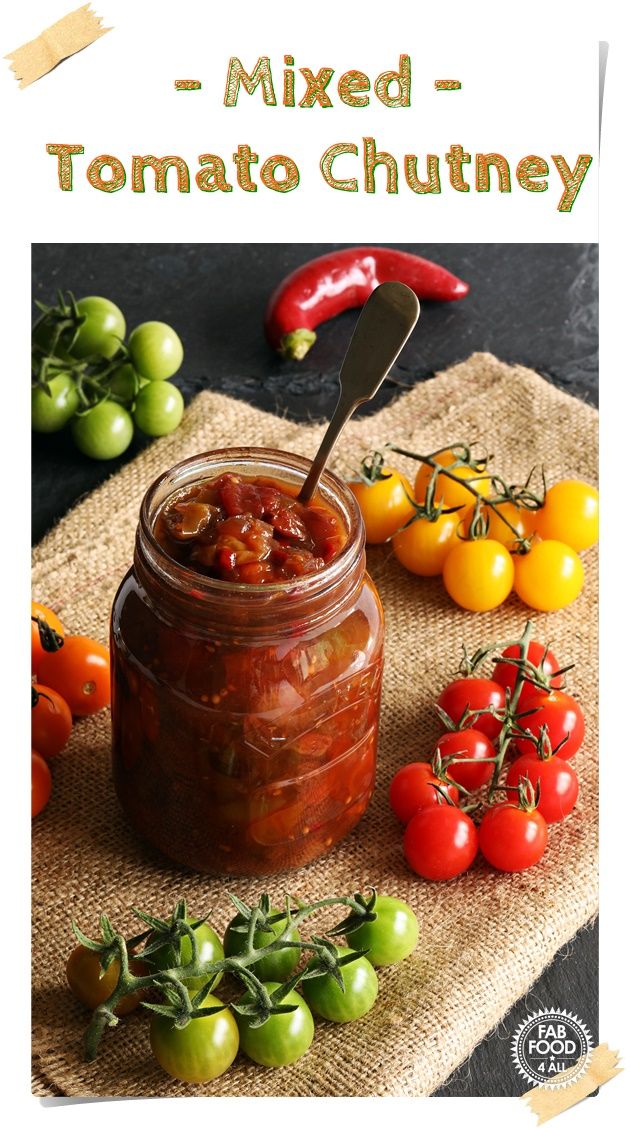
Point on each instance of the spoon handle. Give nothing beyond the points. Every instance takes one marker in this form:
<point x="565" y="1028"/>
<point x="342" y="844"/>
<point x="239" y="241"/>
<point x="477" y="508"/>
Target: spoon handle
<point x="384" y="326"/>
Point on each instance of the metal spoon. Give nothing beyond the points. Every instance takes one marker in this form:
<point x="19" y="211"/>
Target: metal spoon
<point x="384" y="325"/>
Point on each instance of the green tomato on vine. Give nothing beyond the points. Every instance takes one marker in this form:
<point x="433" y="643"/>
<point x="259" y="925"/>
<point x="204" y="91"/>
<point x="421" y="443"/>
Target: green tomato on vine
<point x="200" y="1051"/>
<point x="102" y="331"/>
<point x="391" y="937"/>
<point x="283" y="1038"/>
<point x="49" y="413"/>
<point x="360" y="987"/>
<point x="277" y="965"/>
<point x="104" y="431"/>
<point x="156" y="351"/>
<point x="209" y="950"/>
<point x="158" y="408"/>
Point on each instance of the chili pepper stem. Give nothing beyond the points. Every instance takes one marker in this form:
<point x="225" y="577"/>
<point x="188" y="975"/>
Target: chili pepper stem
<point x="295" y="345"/>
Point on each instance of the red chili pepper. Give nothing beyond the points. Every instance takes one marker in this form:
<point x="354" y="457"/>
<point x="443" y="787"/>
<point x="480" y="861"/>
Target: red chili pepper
<point x="342" y="280"/>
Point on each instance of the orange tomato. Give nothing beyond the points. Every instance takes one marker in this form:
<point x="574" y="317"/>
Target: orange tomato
<point x="447" y="491"/>
<point x="80" y="673"/>
<point x="41" y="783"/>
<point x="384" y="505"/>
<point x="51" y="722"/>
<point x="40" y="611"/>
<point x="423" y="546"/>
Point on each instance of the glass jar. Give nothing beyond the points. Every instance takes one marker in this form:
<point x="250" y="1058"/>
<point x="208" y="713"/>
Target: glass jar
<point x="245" y="717"/>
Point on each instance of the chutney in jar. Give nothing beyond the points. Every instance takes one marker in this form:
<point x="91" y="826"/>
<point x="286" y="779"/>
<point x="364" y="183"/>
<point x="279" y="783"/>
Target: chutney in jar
<point x="246" y="665"/>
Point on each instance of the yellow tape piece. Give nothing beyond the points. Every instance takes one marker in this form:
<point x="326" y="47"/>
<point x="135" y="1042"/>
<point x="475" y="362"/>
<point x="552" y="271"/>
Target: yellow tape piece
<point x="62" y="39"/>
<point x="547" y="1103"/>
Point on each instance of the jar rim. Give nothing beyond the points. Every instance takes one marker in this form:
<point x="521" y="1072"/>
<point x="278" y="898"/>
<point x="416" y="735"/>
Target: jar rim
<point x="261" y="460"/>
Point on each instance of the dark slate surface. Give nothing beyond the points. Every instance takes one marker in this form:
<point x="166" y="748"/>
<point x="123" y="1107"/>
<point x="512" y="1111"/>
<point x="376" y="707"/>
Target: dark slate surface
<point x="531" y="304"/>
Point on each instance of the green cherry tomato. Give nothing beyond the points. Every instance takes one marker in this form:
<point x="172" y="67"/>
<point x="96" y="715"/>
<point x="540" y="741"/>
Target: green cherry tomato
<point x="391" y="937"/>
<point x="200" y="1051"/>
<point x="103" y="330"/>
<point x="283" y="1038"/>
<point x="277" y="965"/>
<point x="156" y="350"/>
<point x="325" y="997"/>
<point x="158" y="408"/>
<point x="51" y="412"/>
<point x="209" y="948"/>
<point x="104" y="431"/>
<point x="125" y="383"/>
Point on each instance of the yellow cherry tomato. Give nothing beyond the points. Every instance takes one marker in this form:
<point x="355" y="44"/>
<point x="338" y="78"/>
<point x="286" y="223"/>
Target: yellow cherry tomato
<point x="570" y="515"/>
<point x="424" y="545"/>
<point x="478" y="574"/>
<point x="447" y="491"/>
<point x="549" y="576"/>
<point x="384" y="505"/>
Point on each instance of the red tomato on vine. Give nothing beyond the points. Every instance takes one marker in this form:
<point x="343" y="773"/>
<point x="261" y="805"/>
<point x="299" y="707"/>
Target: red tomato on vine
<point x="415" y="786"/>
<point x="470" y="695"/>
<point x="440" y="842"/>
<point x="511" y="838"/>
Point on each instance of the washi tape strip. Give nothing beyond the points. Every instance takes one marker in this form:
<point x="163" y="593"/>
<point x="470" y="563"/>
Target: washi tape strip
<point x="547" y="1103"/>
<point x="71" y="34"/>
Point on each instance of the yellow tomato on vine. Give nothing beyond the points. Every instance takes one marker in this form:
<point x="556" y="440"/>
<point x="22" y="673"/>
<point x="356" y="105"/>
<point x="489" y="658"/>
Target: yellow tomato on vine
<point x="570" y="515"/>
<point x="549" y="576"/>
<point x="520" y="522"/>
<point x="384" y="504"/>
<point x="424" y="545"/>
<point x="478" y="574"/>
<point x="448" y="492"/>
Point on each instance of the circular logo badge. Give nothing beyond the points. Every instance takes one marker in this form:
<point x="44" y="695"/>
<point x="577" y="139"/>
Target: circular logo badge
<point x="552" y="1048"/>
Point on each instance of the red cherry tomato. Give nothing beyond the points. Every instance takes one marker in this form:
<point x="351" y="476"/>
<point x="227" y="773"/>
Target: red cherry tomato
<point x="558" y="783"/>
<point x="537" y="654"/>
<point x="512" y="839"/>
<point x="80" y="673"/>
<point x="474" y="694"/>
<point x="51" y="722"/>
<point x="563" y="717"/>
<point x="469" y="744"/>
<point x="413" y="787"/>
<point x="41" y="783"/>
<point x="440" y="842"/>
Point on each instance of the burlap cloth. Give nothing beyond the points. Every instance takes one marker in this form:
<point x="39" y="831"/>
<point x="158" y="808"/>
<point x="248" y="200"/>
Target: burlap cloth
<point x="485" y="937"/>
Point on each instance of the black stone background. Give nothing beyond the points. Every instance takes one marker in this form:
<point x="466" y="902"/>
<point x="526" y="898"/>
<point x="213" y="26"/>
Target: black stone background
<point x="535" y="304"/>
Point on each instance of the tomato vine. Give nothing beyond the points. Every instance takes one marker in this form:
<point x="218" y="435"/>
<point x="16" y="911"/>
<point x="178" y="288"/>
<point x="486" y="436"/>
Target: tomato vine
<point x="182" y="1006"/>
<point x="509" y="716"/>
<point x="520" y="496"/>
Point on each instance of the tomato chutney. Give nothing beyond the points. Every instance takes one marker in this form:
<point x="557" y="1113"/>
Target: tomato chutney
<point x="246" y="646"/>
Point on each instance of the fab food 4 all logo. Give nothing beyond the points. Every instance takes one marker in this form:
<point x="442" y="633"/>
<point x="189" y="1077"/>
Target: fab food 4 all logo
<point x="552" y="1049"/>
